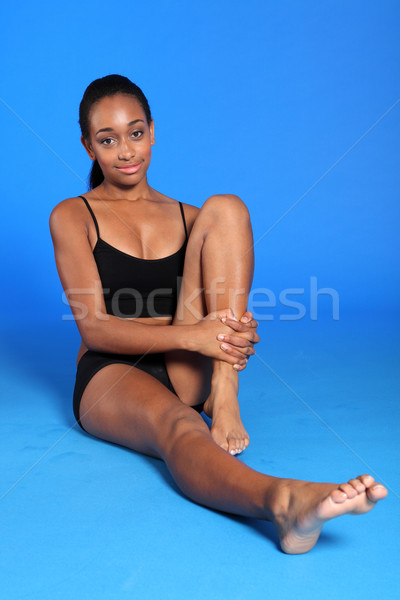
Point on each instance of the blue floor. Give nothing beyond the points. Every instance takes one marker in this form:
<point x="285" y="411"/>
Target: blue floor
<point x="88" y="519"/>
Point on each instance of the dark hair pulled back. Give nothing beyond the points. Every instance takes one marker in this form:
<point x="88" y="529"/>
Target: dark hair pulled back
<point x="98" y="89"/>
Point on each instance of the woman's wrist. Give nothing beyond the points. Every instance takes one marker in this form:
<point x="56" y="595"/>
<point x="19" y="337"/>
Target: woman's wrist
<point x="184" y="337"/>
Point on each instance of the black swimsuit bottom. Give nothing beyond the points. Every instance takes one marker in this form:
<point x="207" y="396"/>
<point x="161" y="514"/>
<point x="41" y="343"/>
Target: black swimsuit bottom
<point x="91" y="362"/>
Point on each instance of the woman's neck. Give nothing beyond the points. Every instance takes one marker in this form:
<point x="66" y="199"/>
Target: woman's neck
<point x="139" y="191"/>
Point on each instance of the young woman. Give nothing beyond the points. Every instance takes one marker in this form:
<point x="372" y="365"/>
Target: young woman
<point x="159" y="293"/>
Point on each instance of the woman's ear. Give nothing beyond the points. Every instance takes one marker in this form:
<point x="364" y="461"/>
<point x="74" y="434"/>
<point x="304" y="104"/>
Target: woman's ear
<point x="88" y="148"/>
<point x="152" y="140"/>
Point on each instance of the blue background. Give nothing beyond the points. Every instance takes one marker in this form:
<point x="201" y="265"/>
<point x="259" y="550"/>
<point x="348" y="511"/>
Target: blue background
<point x="282" y="103"/>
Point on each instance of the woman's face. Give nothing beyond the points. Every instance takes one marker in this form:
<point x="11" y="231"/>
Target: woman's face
<point x="120" y="139"/>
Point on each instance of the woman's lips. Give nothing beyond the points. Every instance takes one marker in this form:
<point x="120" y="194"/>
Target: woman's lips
<point x="130" y="168"/>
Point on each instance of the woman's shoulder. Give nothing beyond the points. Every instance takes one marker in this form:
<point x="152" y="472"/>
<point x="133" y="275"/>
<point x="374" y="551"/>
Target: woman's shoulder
<point x="68" y="204"/>
<point x="66" y="212"/>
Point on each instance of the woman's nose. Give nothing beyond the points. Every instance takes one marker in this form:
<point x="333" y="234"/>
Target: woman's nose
<point x="125" y="150"/>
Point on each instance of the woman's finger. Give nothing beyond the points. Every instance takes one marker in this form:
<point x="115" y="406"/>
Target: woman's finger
<point x="247" y="317"/>
<point x="249" y="336"/>
<point x="235" y="325"/>
<point x="240" y="327"/>
<point x="239" y="342"/>
<point x="240" y="367"/>
<point x="234" y="351"/>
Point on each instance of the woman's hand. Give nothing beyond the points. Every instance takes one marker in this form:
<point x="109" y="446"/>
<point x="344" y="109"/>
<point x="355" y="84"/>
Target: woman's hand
<point x="220" y="335"/>
<point x="235" y="341"/>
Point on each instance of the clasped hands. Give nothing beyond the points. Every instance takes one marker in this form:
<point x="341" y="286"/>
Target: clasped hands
<point x="235" y="337"/>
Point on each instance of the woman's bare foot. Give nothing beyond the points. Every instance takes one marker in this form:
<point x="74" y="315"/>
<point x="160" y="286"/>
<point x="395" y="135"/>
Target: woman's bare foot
<point x="222" y="406"/>
<point x="301" y="508"/>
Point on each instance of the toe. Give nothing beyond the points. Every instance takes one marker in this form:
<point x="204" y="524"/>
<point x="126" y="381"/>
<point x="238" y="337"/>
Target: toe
<point x="348" y="490"/>
<point x="357" y="485"/>
<point x="376" y="492"/>
<point x="236" y="443"/>
<point x="239" y="446"/>
<point x="233" y="445"/>
<point x="366" y="480"/>
<point x="338" y="496"/>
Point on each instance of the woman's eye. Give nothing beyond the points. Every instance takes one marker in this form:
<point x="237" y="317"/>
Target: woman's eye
<point x="137" y="134"/>
<point x="105" y="141"/>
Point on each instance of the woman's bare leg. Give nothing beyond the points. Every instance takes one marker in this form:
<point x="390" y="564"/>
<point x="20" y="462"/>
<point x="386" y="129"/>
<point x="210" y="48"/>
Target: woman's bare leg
<point x="218" y="273"/>
<point x="129" y="407"/>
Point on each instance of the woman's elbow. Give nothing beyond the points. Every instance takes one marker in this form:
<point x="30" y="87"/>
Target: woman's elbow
<point x="92" y="331"/>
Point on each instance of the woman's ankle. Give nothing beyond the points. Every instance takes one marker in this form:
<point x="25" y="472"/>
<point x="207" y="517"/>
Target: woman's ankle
<point x="224" y="372"/>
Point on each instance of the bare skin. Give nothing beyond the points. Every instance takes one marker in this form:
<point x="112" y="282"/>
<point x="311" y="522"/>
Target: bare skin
<point x="129" y="407"/>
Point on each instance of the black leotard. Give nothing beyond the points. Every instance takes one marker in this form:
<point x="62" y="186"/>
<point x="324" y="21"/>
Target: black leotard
<point x="119" y="270"/>
<point x="137" y="287"/>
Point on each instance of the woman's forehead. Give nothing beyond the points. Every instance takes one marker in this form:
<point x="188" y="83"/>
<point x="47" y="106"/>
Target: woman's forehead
<point x="119" y="108"/>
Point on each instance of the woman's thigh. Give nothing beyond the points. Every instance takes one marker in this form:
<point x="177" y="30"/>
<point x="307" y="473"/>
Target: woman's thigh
<point x="126" y="406"/>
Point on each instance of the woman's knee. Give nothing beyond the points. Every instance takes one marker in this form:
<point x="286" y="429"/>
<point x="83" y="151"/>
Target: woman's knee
<point x="183" y="421"/>
<point x="226" y="206"/>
